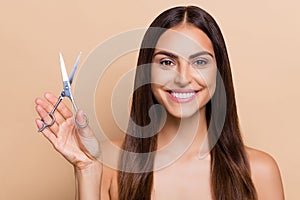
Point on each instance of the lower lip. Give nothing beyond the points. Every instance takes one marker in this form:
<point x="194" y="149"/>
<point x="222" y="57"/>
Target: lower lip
<point x="182" y="100"/>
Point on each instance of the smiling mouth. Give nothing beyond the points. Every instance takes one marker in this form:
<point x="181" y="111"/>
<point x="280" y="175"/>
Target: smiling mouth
<point x="182" y="96"/>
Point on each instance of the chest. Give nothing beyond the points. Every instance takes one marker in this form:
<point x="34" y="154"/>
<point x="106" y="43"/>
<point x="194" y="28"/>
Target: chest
<point x="183" y="180"/>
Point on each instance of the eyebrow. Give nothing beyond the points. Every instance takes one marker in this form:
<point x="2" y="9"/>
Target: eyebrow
<point x="169" y="54"/>
<point x="166" y="54"/>
<point x="200" y="54"/>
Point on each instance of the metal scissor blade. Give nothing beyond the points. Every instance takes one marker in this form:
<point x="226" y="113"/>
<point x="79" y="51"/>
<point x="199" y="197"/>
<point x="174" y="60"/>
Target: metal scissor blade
<point x="74" y="68"/>
<point x="63" y="69"/>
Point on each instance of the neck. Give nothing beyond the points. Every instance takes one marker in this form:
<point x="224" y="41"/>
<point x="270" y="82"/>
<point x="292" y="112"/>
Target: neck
<point x="183" y="136"/>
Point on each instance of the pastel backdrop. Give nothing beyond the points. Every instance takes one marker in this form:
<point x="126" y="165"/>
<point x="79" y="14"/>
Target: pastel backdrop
<point x="263" y="43"/>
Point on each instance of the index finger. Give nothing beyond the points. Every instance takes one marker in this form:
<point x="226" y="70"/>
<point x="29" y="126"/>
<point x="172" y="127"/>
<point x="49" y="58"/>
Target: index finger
<point x="62" y="108"/>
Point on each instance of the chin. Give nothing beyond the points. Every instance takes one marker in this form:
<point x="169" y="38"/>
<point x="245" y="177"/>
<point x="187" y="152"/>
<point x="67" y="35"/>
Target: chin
<point x="183" y="114"/>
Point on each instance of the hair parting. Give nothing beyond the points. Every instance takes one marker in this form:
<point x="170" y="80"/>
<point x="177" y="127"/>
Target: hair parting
<point x="230" y="170"/>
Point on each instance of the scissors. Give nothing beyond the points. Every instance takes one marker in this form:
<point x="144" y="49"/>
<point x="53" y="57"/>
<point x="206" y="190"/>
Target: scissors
<point x="67" y="81"/>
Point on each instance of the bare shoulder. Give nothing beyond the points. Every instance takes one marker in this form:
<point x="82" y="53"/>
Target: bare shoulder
<point x="265" y="175"/>
<point x="110" y="155"/>
<point x="261" y="161"/>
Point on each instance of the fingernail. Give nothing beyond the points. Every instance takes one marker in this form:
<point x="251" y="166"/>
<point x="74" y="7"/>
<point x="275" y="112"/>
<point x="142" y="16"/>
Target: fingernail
<point x="47" y="95"/>
<point x="37" y="100"/>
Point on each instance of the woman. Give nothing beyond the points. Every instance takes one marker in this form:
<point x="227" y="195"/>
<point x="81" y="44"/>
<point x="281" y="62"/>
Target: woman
<point x="184" y="60"/>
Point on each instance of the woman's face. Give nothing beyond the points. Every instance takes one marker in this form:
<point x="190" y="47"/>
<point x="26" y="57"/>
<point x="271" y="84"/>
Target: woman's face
<point x="183" y="72"/>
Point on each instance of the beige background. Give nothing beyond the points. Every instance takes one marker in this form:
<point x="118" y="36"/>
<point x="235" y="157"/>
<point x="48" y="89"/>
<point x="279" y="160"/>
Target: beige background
<point x="263" y="42"/>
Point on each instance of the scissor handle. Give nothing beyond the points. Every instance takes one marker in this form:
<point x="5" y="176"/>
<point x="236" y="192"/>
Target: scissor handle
<point x="86" y="123"/>
<point x="45" y="125"/>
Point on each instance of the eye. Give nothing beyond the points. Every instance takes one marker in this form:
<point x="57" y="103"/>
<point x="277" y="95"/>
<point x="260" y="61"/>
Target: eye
<point x="200" y="62"/>
<point x="166" y="62"/>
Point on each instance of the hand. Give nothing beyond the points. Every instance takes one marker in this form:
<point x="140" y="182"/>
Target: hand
<point x="66" y="138"/>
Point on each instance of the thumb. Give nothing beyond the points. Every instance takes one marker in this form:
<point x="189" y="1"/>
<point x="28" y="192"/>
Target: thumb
<point x="81" y="120"/>
<point x="86" y="135"/>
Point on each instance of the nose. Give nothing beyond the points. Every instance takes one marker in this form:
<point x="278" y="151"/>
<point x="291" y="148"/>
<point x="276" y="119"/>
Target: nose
<point x="183" y="77"/>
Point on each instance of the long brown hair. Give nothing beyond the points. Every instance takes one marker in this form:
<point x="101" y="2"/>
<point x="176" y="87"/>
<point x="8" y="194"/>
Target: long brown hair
<point x="230" y="171"/>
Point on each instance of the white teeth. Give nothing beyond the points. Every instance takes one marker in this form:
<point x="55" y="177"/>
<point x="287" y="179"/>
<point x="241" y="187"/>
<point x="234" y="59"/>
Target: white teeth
<point x="183" y="95"/>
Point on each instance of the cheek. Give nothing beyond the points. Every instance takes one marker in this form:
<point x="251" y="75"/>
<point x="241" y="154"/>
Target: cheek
<point x="161" y="76"/>
<point x="207" y="78"/>
<point x="155" y="91"/>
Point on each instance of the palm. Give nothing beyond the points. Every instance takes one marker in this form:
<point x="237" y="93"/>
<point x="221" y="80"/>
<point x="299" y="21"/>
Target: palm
<point x="63" y="134"/>
<point x="69" y="145"/>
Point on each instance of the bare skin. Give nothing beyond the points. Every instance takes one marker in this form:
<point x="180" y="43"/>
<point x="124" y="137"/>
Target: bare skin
<point x="187" y="177"/>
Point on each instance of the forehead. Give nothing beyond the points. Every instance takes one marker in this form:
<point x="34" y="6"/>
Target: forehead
<point x="184" y="40"/>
